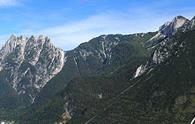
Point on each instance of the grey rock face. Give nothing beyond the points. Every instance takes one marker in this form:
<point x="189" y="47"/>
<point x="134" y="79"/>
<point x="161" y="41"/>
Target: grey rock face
<point x="30" y="63"/>
<point x="161" y="45"/>
<point x="164" y="45"/>
<point x="168" y="29"/>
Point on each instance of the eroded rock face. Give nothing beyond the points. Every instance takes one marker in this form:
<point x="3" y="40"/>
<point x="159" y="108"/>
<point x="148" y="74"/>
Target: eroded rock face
<point x="161" y="45"/>
<point x="169" y="29"/>
<point x="30" y="63"/>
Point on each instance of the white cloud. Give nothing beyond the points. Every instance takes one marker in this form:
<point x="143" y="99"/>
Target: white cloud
<point x="8" y="2"/>
<point x="68" y="36"/>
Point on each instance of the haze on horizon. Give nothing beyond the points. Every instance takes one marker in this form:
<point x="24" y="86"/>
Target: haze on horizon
<point x="71" y="22"/>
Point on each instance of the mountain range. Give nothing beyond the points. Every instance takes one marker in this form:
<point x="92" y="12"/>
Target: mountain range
<point x="141" y="78"/>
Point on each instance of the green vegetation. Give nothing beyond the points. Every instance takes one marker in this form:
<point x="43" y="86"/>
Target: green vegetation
<point x="163" y="95"/>
<point x="84" y="84"/>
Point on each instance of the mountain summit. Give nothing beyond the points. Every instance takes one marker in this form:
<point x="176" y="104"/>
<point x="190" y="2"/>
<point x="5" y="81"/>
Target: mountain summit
<point x="138" y="78"/>
<point x="29" y="63"/>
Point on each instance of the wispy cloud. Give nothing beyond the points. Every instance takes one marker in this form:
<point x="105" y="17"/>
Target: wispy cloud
<point x="69" y="34"/>
<point x="4" y="3"/>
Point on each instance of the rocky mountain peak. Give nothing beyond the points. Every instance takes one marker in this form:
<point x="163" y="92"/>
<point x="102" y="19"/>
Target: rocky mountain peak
<point x="30" y="63"/>
<point x="40" y="38"/>
<point x="176" y="23"/>
<point x="13" y="37"/>
<point x="161" y="45"/>
<point x="169" y="29"/>
<point x="179" y="21"/>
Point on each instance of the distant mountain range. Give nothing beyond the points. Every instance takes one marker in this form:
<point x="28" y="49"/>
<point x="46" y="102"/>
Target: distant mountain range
<point x="142" y="78"/>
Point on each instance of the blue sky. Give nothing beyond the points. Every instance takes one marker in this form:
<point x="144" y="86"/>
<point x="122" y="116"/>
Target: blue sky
<point x="71" y="22"/>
